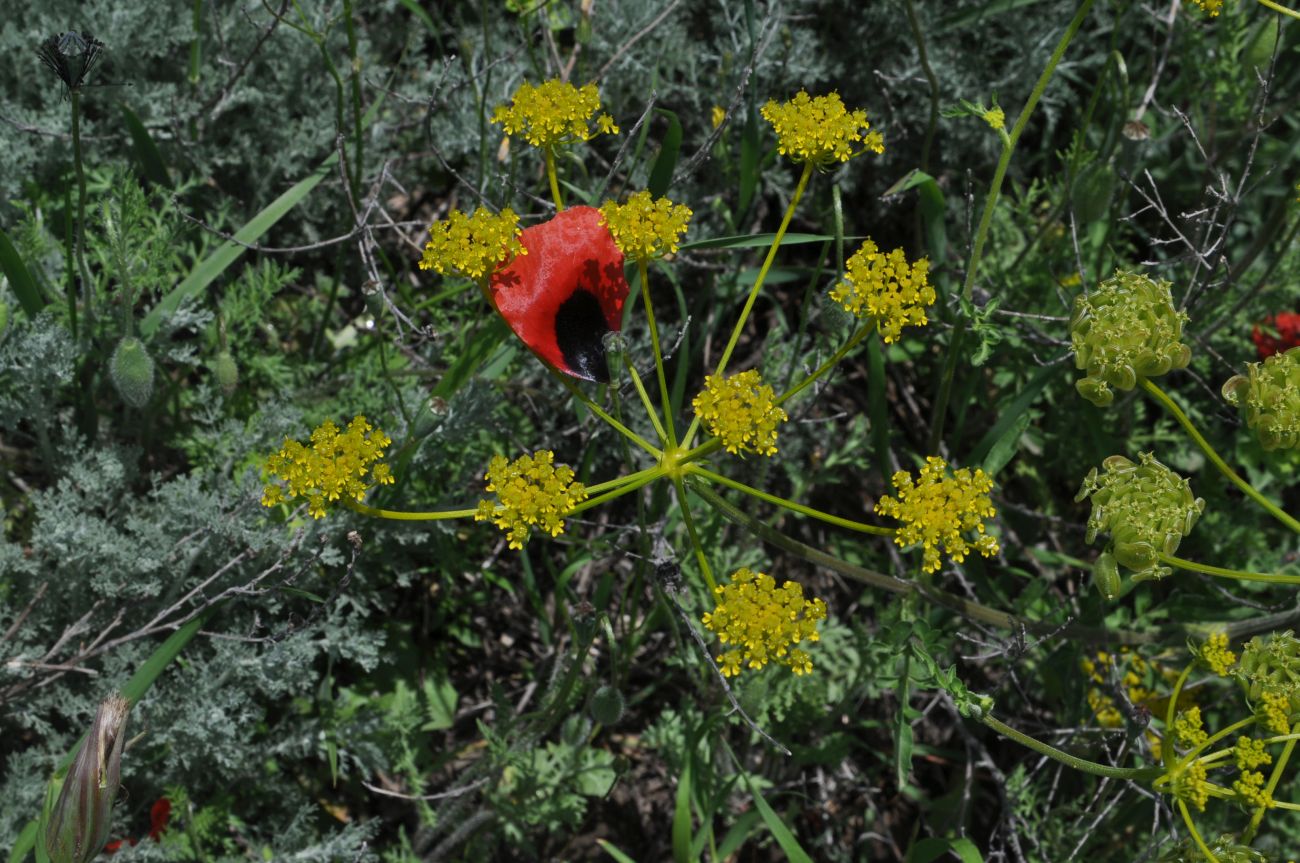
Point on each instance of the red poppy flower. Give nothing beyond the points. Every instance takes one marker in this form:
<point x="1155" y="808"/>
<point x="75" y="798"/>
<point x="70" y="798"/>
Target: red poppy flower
<point x="566" y="293"/>
<point x="160" y="814"/>
<point x="1276" y="333"/>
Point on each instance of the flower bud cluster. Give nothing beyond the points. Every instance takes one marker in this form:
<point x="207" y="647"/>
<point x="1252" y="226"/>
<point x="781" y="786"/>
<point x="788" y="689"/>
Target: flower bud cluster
<point x="1269" y="398"/>
<point x="1125" y="330"/>
<point x="1269" y="671"/>
<point x="1146" y="508"/>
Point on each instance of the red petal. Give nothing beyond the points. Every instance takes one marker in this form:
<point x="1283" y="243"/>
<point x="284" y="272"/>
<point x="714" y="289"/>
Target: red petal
<point x="566" y="293"/>
<point x="160" y="814"/>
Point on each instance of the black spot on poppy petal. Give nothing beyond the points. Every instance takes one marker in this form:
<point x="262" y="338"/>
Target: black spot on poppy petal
<point x="580" y="333"/>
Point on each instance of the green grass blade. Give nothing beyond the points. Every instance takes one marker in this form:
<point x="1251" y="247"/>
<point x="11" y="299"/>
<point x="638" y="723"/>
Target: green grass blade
<point x="780" y="832"/>
<point x="933" y="847"/>
<point x="1010" y="415"/>
<point x="146" y="150"/>
<point x="414" y="8"/>
<point x="20" y="280"/>
<point x="26" y="842"/>
<point x="750" y="241"/>
<point x="682" y="817"/>
<point x="618" y="855"/>
<point x="661" y="175"/>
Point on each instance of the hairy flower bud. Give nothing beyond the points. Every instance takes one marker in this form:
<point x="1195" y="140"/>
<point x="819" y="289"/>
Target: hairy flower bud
<point x="1125" y="330"/>
<point x="1269" y="398"/>
<point x="131" y="369"/>
<point x="79" y="823"/>
<point x="226" y="371"/>
<point x="607" y="705"/>
<point x="1146" y="508"/>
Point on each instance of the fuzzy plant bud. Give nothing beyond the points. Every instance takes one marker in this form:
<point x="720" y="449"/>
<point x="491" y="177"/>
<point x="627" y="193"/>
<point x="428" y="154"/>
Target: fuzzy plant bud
<point x="226" y="371"/>
<point x="4" y="317"/>
<point x="1269" y="671"/>
<point x="1268" y="395"/>
<point x="1125" y="330"/>
<point x="78" y="825"/>
<point x="607" y="705"/>
<point x="131" y="369"/>
<point x="1146" y="508"/>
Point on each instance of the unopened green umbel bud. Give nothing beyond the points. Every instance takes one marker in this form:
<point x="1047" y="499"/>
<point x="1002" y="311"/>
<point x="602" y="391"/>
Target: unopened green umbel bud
<point x="1146" y="508"/>
<point x="1226" y="849"/>
<point x="226" y="371"/>
<point x="131" y="369"/>
<point x="1125" y="330"/>
<point x="1271" y="664"/>
<point x="78" y="825"/>
<point x="1268" y="395"/>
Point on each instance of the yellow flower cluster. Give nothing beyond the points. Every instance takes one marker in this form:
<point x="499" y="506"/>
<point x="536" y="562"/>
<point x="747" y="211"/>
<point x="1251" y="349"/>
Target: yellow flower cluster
<point x="1274" y="712"/>
<point x="1189" y="729"/>
<point x="531" y="491"/>
<point x="887" y="288"/>
<point x="1250" y="788"/>
<point x="763" y="621"/>
<point x="1189" y="783"/>
<point x="936" y="509"/>
<point x="1211" y="7"/>
<point x="742" y="411"/>
<point x="553" y="114"/>
<point x="472" y="246"/>
<point x="336" y="465"/>
<point x="820" y="130"/>
<point x="995" y="117"/>
<point x="1250" y="754"/>
<point x="644" y="227"/>
<point x="1215" y="654"/>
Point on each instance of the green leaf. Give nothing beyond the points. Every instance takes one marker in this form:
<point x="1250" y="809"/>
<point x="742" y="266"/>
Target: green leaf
<point x="682" y="817"/>
<point x="748" y="241"/>
<point x="789" y="844"/>
<point x="1005" y="448"/>
<point x="618" y="855"/>
<point x="933" y="210"/>
<point x="1008" y="416"/>
<point x="661" y="174"/>
<point x="26" y="841"/>
<point x="227" y="253"/>
<point x="20" y="280"/>
<point x="440" y="699"/>
<point x="932" y="848"/>
<point x="903" y="737"/>
<point x="146" y="150"/>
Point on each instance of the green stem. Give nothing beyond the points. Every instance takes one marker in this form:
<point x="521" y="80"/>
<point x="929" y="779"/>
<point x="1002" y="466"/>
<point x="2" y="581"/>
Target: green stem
<point x="1277" y="7"/>
<point x="555" y="184"/>
<point x="87" y="290"/>
<point x="642" y="270"/>
<point x="634" y="482"/>
<point x="1196" y="836"/>
<point x="852" y="343"/>
<point x="1249" y="490"/>
<point x="648" y="474"/>
<point x="1167" y="751"/>
<point x="1236" y="574"/>
<point x="758" y="284"/>
<point x="397" y="515"/>
<point x="791" y="505"/>
<point x="600" y="412"/>
<point x="1249" y="834"/>
<point x="646" y="403"/>
<point x="1136" y="774"/>
<point x="986" y="220"/>
<point x="358" y="148"/>
<point x="695" y="537"/>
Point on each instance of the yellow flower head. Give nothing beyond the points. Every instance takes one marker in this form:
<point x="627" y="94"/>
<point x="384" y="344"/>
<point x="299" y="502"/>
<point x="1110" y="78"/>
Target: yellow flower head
<point x="719" y="114"/>
<point x="763" y="621"/>
<point x="1210" y="7"/>
<point x="820" y="130"/>
<point x="472" y="246"/>
<point x="887" y="288"/>
<point x="336" y="465"/>
<point x="1250" y="788"/>
<point x="742" y="410"/>
<point x="1215" y="653"/>
<point x="1189" y="729"/>
<point x="936" y="509"/>
<point x="1250" y="754"/>
<point x="1189" y="783"/>
<point x="644" y="227"/>
<point x="553" y="114"/>
<point x="995" y="117"/>
<point x="531" y="490"/>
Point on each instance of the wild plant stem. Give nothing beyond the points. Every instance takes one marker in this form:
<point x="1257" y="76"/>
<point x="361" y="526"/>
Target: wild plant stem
<point x="555" y="183"/>
<point x="1235" y="574"/>
<point x="642" y="271"/>
<point x="87" y="289"/>
<point x="700" y="557"/>
<point x="1277" y="7"/>
<point x="791" y="505"/>
<point x="1137" y="774"/>
<point x="830" y="363"/>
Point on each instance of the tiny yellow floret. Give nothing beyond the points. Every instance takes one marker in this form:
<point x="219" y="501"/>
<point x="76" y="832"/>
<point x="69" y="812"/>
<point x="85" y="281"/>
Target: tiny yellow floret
<point x="472" y="246"/>
<point x="336" y="465"/>
<point x="995" y="117"/>
<point x="1216" y="655"/>
<point x="935" y="509"/>
<point x="742" y="411"/>
<point x="553" y="114"/>
<point x="887" y="288"/>
<point x="820" y="130"/>
<point x="763" y="621"/>
<point x="531" y="491"/>
<point x="645" y="227"/>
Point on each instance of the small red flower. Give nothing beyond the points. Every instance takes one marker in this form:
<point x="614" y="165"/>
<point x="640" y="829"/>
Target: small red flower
<point x="1276" y="333"/>
<point x="565" y="294"/>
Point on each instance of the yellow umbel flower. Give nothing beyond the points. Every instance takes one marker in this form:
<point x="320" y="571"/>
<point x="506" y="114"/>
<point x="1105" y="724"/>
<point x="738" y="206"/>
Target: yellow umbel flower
<point x="472" y="246"/>
<point x="1250" y="788"/>
<point x="1250" y="754"/>
<point x="1189" y="784"/>
<point x="820" y="130"/>
<point x="553" y="114"/>
<point x="645" y="227"/>
<point x="936" y="509"/>
<point x="531" y="490"/>
<point x="1215" y="653"/>
<point x="742" y="411"/>
<point x="1210" y="7"/>
<point x="995" y="117"/>
<point x="887" y="288"/>
<point x="1274" y="712"/>
<point x="336" y="465"/>
<point x="763" y="621"/>
<point x="1189" y="729"/>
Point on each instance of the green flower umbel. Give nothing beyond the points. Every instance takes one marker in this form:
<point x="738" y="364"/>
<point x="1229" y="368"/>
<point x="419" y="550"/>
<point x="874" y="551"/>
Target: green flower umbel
<point x="1126" y="329"/>
<point x="1269" y="671"/>
<point x="1146" y="508"/>
<point x="1269" y="398"/>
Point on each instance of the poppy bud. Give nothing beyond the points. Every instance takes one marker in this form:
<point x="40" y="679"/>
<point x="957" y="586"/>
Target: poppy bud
<point x="131" y="369"/>
<point x="78" y="825"/>
<point x="226" y="371"/>
<point x="607" y="705"/>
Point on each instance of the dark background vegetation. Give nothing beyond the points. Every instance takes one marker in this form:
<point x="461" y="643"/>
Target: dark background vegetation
<point x="367" y="689"/>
